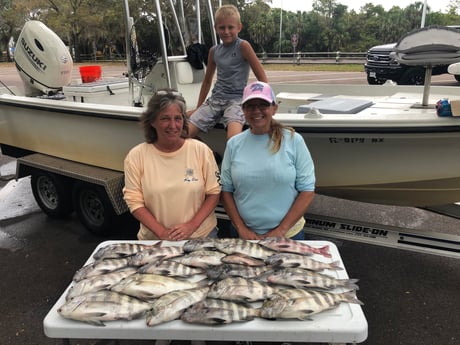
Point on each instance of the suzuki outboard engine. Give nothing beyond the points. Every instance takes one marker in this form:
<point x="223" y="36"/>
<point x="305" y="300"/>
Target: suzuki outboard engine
<point x="42" y="59"/>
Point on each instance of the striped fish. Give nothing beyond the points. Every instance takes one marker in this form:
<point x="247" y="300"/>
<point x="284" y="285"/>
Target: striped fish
<point x="99" y="282"/>
<point x="289" y="260"/>
<point x="99" y="267"/>
<point x="155" y="254"/>
<point x="241" y="289"/>
<point x="201" y="258"/>
<point x="287" y="245"/>
<point x="170" y="268"/>
<point x="300" y="278"/>
<point x="119" y="250"/>
<point x="104" y="305"/>
<point x="305" y="304"/>
<point x="202" y="243"/>
<point x="243" y="247"/>
<point x="170" y="306"/>
<point x="216" y="311"/>
<point x="235" y="270"/>
<point x="150" y="286"/>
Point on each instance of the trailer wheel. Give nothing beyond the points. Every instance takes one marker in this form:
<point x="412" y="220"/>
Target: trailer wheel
<point x="93" y="208"/>
<point x="52" y="193"/>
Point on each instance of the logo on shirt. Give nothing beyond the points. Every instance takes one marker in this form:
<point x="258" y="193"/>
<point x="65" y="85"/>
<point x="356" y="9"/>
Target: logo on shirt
<point x="189" y="176"/>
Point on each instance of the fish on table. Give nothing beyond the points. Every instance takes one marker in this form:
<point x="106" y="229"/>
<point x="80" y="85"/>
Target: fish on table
<point x="99" y="282"/>
<point x="201" y="258"/>
<point x="241" y="289"/>
<point x="170" y="306"/>
<point x="97" y="307"/>
<point x="301" y="278"/>
<point x="213" y="311"/>
<point x="99" y="267"/>
<point x="290" y="260"/>
<point x="170" y="268"/>
<point x="120" y="250"/>
<point x="301" y="304"/>
<point x="202" y="243"/>
<point x="287" y="245"/>
<point x="235" y="270"/>
<point x="243" y="247"/>
<point x="155" y="254"/>
<point x="150" y="286"/>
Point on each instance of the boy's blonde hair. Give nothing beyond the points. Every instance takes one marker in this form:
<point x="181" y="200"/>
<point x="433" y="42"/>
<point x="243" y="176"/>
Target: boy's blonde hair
<point x="227" y="11"/>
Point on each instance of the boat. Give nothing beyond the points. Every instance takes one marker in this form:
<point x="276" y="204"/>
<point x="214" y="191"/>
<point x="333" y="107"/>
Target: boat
<point x="383" y="144"/>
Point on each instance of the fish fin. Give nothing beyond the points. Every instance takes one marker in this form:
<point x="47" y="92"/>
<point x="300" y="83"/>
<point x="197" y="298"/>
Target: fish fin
<point x="93" y="319"/>
<point x="305" y="318"/>
<point x="336" y="265"/>
<point x="218" y="320"/>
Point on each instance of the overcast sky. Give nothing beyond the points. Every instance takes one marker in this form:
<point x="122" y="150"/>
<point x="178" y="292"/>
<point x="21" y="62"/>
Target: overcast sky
<point x="305" y="5"/>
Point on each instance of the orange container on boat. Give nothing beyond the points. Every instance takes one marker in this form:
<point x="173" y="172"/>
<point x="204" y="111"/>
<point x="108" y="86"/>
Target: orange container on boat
<point x="90" y="73"/>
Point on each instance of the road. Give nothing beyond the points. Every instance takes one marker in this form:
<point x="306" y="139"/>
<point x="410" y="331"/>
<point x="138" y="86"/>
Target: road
<point x="409" y="298"/>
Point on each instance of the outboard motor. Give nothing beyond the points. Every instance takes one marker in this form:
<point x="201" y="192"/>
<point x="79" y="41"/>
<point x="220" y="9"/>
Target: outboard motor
<point x="42" y="60"/>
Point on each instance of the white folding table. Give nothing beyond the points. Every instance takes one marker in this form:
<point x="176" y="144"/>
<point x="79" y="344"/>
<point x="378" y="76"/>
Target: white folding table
<point x="344" y="324"/>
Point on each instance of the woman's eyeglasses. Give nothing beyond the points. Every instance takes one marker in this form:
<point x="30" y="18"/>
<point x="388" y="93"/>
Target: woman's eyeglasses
<point x="259" y="105"/>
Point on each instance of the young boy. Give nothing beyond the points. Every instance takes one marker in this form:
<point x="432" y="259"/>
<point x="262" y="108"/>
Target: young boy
<point x="232" y="58"/>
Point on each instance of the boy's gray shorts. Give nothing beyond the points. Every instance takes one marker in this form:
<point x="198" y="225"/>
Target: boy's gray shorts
<point x="214" y="111"/>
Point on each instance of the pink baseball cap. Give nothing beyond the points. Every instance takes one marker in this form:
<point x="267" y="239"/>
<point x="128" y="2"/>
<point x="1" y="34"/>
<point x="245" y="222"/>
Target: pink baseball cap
<point x="258" y="90"/>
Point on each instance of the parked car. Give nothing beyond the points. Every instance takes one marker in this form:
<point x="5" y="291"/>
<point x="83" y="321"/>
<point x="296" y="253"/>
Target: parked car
<point x="381" y="66"/>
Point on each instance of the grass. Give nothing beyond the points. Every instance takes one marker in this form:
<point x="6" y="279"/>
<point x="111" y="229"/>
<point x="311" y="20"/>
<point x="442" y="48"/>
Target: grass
<point x="332" y="67"/>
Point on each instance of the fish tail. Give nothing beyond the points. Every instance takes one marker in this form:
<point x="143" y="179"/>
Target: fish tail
<point x="324" y="251"/>
<point x="350" y="297"/>
<point x="351" y="284"/>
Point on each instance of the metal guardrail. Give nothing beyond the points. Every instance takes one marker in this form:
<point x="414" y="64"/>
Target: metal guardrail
<point x="314" y="57"/>
<point x="296" y="58"/>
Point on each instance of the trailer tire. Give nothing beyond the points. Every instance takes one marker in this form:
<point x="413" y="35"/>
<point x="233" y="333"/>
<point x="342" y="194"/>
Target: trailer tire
<point x="93" y="208"/>
<point x="52" y="193"/>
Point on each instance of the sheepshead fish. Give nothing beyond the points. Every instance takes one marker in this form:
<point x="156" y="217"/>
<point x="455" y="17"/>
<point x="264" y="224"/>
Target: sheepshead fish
<point x="99" y="267"/>
<point x="202" y="243"/>
<point x="155" y="254"/>
<point x="170" y="306"/>
<point x="170" y="268"/>
<point x="119" y="250"/>
<point x="201" y="258"/>
<point x="104" y="305"/>
<point x="240" y="289"/>
<point x="242" y="260"/>
<point x="300" y="278"/>
<point x="287" y="245"/>
<point x="349" y="296"/>
<point x="216" y="311"/>
<point x="244" y="247"/>
<point x="151" y="286"/>
<point x="235" y="270"/>
<point x="289" y="260"/>
<point x="312" y="302"/>
<point x="99" y="282"/>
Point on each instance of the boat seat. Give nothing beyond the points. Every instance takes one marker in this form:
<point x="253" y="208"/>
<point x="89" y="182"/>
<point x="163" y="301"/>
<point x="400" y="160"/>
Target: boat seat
<point x="186" y="79"/>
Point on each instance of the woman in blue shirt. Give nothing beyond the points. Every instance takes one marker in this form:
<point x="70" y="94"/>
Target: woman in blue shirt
<point x="268" y="178"/>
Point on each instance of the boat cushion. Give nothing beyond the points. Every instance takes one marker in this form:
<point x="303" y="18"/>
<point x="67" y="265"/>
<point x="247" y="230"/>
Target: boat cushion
<point x="336" y="106"/>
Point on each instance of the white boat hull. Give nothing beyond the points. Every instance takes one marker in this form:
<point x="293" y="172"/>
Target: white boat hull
<point x="389" y="153"/>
